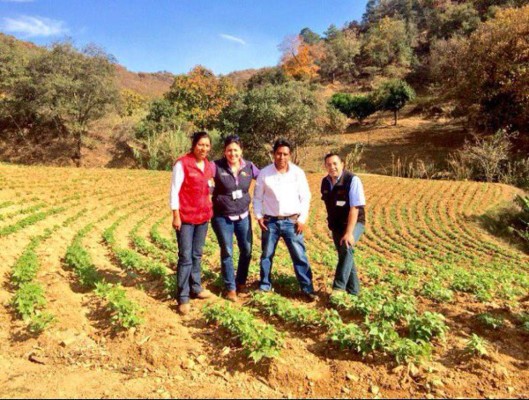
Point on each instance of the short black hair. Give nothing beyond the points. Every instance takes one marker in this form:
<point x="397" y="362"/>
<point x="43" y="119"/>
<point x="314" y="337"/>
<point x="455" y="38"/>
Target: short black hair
<point x="232" y="139"/>
<point x="332" y="154"/>
<point x="195" y="138"/>
<point x="282" y="143"/>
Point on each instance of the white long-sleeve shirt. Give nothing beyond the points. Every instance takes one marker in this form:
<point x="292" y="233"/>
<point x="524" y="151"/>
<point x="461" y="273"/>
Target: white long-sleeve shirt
<point x="177" y="179"/>
<point x="282" y="194"/>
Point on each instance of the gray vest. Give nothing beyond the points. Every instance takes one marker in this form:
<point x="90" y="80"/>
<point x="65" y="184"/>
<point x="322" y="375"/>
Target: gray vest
<point x="225" y="203"/>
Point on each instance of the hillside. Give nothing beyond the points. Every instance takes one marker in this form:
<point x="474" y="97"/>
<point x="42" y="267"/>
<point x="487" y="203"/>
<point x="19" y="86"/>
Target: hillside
<point x="149" y="85"/>
<point x="425" y="249"/>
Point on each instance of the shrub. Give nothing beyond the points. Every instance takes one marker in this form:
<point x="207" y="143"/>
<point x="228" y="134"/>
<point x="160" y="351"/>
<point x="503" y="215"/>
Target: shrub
<point x="359" y="107"/>
<point x="263" y="114"/>
<point x="336" y="121"/>
<point x="523" y="231"/>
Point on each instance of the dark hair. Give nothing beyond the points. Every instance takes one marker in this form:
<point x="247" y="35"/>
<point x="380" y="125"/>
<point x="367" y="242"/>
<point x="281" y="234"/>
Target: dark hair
<point x="332" y="155"/>
<point x="282" y="143"/>
<point x="232" y="139"/>
<point x="195" y="138"/>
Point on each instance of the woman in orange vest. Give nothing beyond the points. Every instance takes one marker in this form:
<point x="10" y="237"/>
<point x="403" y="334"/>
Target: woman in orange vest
<point x="191" y="185"/>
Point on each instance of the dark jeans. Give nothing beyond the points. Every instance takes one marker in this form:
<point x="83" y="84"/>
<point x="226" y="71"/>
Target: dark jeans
<point x="191" y="240"/>
<point x="285" y="229"/>
<point x="224" y="228"/>
<point x="346" y="277"/>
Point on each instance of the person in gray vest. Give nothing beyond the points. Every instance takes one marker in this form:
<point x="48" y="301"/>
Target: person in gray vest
<point x="344" y="199"/>
<point x="231" y="199"/>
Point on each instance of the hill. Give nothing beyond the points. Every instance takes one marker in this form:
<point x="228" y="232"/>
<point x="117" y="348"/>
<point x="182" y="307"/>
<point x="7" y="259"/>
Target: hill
<point x="425" y="250"/>
<point x="149" y="85"/>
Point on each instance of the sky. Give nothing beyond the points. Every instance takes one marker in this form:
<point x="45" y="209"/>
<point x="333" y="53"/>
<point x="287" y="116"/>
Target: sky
<point x="176" y="35"/>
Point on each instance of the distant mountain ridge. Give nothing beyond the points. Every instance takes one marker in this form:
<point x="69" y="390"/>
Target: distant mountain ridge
<point x="147" y="84"/>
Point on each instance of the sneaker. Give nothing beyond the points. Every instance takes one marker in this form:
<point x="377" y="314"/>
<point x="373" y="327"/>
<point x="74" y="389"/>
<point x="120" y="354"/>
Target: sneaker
<point x="184" y="309"/>
<point x="231" y="295"/>
<point x="309" y="297"/>
<point x="204" y="294"/>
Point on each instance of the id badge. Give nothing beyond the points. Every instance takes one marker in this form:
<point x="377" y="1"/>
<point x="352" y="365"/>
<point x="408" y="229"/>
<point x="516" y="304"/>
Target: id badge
<point x="340" y="203"/>
<point x="236" y="194"/>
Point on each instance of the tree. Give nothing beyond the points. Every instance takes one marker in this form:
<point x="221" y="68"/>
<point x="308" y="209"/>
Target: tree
<point x="359" y="106"/>
<point x="340" y="56"/>
<point x="299" y="59"/>
<point x="487" y="74"/>
<point x="263" y="114"/>
<point x="69" y="88"/>
<point x="309" y="36"/>
<point x="454" y="19"/>
<point x="392" y="95"/>
<point x="161" y="136"/>
<point x="200" y="96"/>
<point x="271" y="75"/>
<point x="12" y="65"/>
<point x="387" y="47"/>
<point x="131" y="102"/>
<point x="331" y="32"/>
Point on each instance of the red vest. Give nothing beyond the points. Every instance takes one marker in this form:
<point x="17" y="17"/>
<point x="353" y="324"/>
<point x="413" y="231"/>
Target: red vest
<point x="195" y="202"/>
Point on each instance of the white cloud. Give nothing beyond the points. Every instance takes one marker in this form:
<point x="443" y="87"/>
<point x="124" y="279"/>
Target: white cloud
<point x="232" y="38"/>
<point x="34" y="26"/>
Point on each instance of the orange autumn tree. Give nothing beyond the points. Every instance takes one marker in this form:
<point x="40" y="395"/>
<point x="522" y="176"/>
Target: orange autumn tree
<point x="200" y="96"/>
<point x="299" y="59"/>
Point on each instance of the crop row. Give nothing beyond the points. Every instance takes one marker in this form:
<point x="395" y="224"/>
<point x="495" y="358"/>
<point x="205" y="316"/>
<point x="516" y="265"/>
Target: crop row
<point x="29" y="299"/>
<point x="125" y="312"/>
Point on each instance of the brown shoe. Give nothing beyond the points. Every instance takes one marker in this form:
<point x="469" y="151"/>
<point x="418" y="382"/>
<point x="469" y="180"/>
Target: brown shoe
<point x="184" y="309"/>
<point x="242" y="289"/>
<point x="204" y="294"/>
<point x="231" y="295"/>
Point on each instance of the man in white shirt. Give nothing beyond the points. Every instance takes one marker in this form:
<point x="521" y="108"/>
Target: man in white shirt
<point x="281" y="205"/>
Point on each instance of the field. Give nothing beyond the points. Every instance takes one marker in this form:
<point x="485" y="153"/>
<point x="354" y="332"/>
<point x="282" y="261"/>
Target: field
<point x="85" y="264"/>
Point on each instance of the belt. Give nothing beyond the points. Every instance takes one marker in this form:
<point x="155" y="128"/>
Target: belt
<point x="281" y="218"/>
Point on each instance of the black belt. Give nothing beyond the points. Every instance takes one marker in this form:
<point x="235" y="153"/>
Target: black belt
<point x="281" y="218"/>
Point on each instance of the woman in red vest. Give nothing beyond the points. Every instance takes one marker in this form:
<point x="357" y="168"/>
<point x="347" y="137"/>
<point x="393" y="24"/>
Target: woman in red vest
<point x="191" y="185"/>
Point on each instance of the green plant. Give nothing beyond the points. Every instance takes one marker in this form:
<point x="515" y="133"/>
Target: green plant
<point x="347" y="336"/>
<point x="524" y="320"/>
<point x="490" y="321"/>
<point x="399" y="308"/>
<point x="392" y="95"/>
<point x="282" y="308"/>
<point x="78" y="259"/>
<point x="477" y="346"/>
<point x="40" y="321"/>
<point x="380" y="335"/>
<point x="359" y="106"/>
<point x="406" y="351"/>
<point x="28" y="299"/>
<point x="427" y="326"/>
<point x="26" y="266"/>
<point x="436" y="291"/>
<point x="258" y="340"/>
<point x="170" y="285"/>
<point x="126" y="313"/>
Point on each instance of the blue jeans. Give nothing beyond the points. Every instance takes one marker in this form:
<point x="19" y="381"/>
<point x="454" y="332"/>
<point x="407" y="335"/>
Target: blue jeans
<point x="191" y="240"/>
<point x="346" y="277"/>
<point x="285" y="229"/>
<point x="224" y="229"/>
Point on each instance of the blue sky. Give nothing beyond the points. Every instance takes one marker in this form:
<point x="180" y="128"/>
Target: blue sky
<point x="175" y="35"/>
